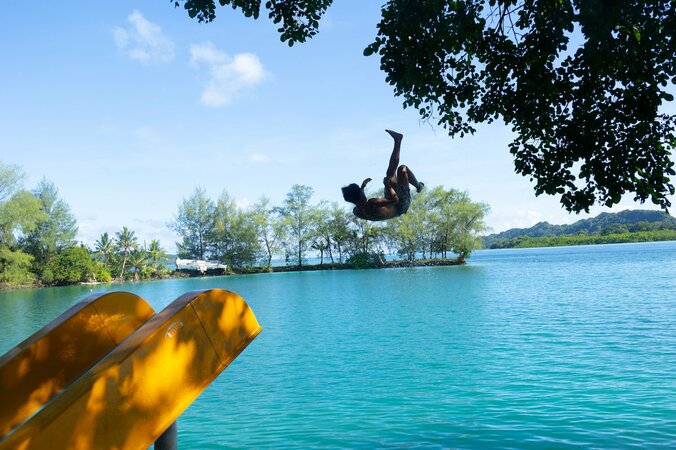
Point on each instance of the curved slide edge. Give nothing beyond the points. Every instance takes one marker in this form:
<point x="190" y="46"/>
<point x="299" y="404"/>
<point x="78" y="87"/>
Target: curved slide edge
<point x="139" y="389"/>
<point x="45" y="363"/>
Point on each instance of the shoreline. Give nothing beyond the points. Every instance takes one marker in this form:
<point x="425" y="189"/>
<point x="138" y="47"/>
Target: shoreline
<point x="318" y="267"/>
<point x="177" y="274"/>
<point x="346" y="266"/>
<point x="571" y="240"/>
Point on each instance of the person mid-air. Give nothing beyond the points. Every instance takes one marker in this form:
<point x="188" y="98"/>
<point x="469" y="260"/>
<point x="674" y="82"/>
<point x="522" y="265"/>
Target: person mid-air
<point x="397" y="196"/>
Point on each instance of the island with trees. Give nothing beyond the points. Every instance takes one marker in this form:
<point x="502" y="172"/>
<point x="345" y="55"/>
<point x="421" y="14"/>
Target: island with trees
<point x="442" y="224"/>
<point x="38" y="245"/>
<point x="606" y="228"/>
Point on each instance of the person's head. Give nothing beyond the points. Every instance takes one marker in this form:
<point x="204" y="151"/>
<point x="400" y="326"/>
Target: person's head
<point x="352" y="193"/>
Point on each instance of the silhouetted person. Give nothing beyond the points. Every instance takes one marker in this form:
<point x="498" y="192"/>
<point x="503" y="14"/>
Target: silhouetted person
<point x="397" y="197"/>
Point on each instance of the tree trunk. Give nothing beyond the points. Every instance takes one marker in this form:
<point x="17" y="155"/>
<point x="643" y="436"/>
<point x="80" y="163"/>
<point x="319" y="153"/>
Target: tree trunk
<point x="300" y="259"/>
<point x="328" y="246"/>
<point x="124" y="263"/>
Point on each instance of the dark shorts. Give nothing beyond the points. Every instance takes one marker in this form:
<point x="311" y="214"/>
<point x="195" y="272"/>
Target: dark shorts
<point x="404" y="194"/>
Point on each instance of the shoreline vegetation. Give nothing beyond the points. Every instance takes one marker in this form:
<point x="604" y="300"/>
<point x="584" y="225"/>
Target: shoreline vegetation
<point x="394" y="264"/>
<point x="606" y="228"/>
<point x="255" y="270"/>
<point x="38" y="246"/>
<point x="583" y="239"/>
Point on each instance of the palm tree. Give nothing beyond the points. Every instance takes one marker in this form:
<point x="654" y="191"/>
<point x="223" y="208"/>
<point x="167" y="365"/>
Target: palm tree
<point x="126" y="242"/>
<point x="104" y="247"/>
<point x="156" y="251"/>
<point x="320" y="245"/>
<point x="138" y="260"/>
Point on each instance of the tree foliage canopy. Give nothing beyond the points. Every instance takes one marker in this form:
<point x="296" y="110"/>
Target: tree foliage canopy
<point x="580" y="82"/>
<point x="298" y="20"/>
<point x="20" y="213"/>
<point x="195" y="223"/>
<point x="55" y="232"/>
<point x="439" y="222"/>
<point x="296" y="214"/>
<point x="72" y="266"/>
<point x="235" y="236"/>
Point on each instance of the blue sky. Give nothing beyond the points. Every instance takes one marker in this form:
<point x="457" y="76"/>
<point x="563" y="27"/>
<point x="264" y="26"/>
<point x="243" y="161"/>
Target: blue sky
<point x="128" y="106"/>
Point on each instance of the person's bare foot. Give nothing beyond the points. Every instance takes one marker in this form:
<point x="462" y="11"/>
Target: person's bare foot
<point x="396" y="136"/>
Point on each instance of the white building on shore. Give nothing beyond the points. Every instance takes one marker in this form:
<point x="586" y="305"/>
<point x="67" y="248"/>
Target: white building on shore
<point x="199" y="265"/>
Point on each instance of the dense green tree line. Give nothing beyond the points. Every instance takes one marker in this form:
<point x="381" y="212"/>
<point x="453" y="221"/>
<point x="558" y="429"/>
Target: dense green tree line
<point x="38" y="246"/>
<point x="440" y="222"/>
<point x="604" y="223"/>
<point x="36" y="228"/>
<point x="625" y="226"/>
<point x="38" y="234"/>
<point x="592" y="239"/>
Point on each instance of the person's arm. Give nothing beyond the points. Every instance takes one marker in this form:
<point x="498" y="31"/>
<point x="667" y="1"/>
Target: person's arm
<point x="393" y="193"/>
<point x="365" y="182"/>
<point x="393" y="198"/>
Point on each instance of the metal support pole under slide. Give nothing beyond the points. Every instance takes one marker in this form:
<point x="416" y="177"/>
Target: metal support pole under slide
<point x="169" y="439"/>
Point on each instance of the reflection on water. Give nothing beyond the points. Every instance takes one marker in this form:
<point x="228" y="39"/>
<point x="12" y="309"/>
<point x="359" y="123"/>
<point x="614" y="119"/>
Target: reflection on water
<point x="524" y="348"/>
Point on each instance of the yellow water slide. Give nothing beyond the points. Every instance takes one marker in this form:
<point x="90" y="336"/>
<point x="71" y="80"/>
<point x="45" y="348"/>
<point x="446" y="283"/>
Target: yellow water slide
<point x="139" y="388"/>
<point x="41" y="366"/>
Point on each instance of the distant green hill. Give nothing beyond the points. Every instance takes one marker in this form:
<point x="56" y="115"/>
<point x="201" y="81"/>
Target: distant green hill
<point x="630" y="221"/>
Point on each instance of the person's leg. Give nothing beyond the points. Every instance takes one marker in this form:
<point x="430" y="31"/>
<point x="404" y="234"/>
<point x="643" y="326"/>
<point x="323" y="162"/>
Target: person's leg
<point x="405" y="176"/>
<point x="394" y="158"/>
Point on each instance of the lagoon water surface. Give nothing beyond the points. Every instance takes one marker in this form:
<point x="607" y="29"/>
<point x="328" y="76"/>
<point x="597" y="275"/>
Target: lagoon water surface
<point x="534" y="348"/>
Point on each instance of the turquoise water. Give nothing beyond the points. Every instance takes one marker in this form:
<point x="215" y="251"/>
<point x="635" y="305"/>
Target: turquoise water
<point x="534" y="348"/>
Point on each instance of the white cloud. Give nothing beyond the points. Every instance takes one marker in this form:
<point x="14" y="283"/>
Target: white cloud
<point x="227" y="75"/>
<point x="143" y="40"/>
